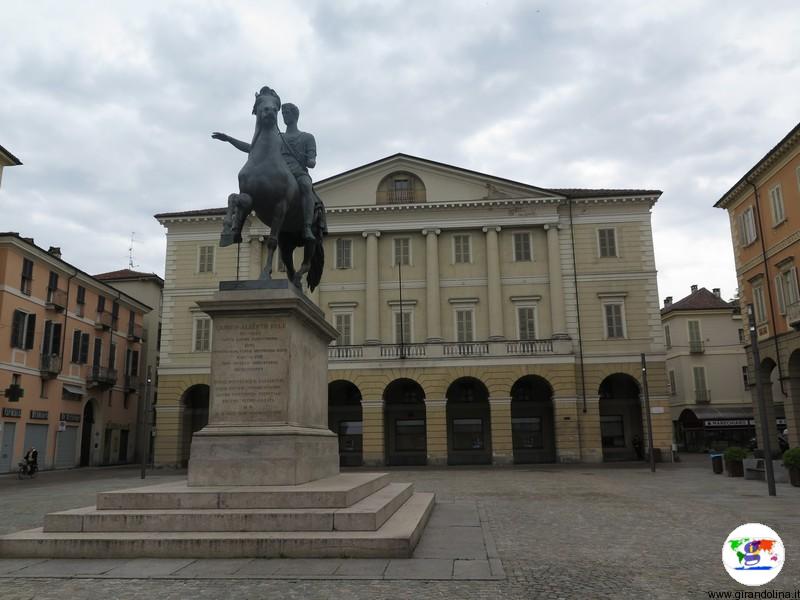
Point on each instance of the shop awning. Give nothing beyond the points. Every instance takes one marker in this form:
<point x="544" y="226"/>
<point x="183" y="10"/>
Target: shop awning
<point x="736" y="416"/>
<point x="74" y="390"/>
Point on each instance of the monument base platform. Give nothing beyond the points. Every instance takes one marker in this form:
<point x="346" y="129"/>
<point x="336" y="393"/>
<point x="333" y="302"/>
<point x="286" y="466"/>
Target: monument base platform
<point x="282" y="455"/>
<point x="358" y="515"/>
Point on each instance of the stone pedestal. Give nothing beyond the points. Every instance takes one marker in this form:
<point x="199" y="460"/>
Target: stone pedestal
<point x="269" y="392"/>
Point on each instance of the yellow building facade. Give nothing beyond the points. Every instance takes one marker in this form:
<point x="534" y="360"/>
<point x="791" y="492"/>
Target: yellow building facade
<point x="481" y="320"/>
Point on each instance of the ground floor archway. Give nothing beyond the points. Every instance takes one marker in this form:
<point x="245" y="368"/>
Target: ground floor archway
<point x="86" y="433"/>
<point x="346" y="421"/>
<point x="469" y="423"/>
<point x="194" y="403"/>
<point x="621" y="429"/>
<point x="405" y="426"/>
<point x="532" y="421"/>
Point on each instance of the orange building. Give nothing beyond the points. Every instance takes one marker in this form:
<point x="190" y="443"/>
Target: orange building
<point x="69" y="361"/>
<point x="764" y="211"/>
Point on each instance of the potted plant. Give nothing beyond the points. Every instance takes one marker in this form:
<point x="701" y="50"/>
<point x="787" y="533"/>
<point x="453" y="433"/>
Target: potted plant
<point x="791" y="460"/>
<point x="734" y="457"/>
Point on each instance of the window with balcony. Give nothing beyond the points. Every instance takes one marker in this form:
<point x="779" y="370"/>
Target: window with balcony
<point x="522" y="247"/>
<point x="344" y="325"/>
<point x="344" y="253"/>
<point x="112" y="356"/>
<point x="526" y="322"/>
<point x="205" y="259"/>
<point x="747" y="227"/>
<point x="80" y="300"/>
<point x="462" y="248"/>
<point x="51" y="341"/>
<point x="403" y="327"/>
<point x="101" y="304"/>
<point x="23" y="329"/>
<point x="465" y="329"/>
<point x="98" y="352"/>
<point x="776" y="204"/>
<point x="27" y="277"/>
<point x="80" y="347"/>
<point x="402" y="251"/>
<point x="201" y="341"/>
<point x="695" y="338"/>
<point x="607" y="242"/>
<point x="701" y="391"/>
<point x="400" y="188"/>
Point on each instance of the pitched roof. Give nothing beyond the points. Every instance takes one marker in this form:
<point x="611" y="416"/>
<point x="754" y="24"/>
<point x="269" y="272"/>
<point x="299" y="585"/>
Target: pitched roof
<point x="602" y="193"/>
<point x="14" y="160"/>
<point x="702" y="299"/>
<point x="125" y="274"/>
<point x="203" y="212"/>
<point x="789" y="140"/>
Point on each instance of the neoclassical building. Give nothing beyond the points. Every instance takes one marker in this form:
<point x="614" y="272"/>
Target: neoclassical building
<point x="481" y="320"/>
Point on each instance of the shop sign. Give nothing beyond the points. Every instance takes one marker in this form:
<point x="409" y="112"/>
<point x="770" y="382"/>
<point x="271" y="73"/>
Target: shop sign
<point x="12" y="412"/>
<point x="70" y="417"/>
<point x="728" y="422"/>
<point x="41" y="415"/>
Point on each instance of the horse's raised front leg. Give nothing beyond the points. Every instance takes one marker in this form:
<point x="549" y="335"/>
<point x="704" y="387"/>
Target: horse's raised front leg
<point x="309" y="247"/>
<point x="239" y="206"/>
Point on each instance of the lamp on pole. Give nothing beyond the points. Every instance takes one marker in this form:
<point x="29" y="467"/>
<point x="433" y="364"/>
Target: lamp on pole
<point x="766" y="436"/>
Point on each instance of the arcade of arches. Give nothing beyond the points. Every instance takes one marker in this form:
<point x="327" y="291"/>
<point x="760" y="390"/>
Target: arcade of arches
<point x="466" y="418"/>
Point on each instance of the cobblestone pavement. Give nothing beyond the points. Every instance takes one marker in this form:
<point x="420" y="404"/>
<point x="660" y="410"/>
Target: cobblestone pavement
<point x="574" y="531"/>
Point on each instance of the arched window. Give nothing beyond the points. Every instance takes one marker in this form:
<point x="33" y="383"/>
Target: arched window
<point x="400" y="187"/>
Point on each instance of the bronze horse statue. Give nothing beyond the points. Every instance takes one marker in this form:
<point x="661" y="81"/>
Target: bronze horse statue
<point x="268" y="187"/>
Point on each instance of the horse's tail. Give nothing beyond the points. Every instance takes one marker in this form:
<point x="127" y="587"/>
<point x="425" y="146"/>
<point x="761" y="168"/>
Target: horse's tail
<point x="317" y="265"/>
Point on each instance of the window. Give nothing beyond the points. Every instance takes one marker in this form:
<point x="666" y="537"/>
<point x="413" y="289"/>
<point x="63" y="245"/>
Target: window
<point x="344" y="324"/>
<point x="699" y="375"/>
<point x="132" y="363"/>
<point x="27" y="276"/>
<point x="522" y="247"/>
<point x="401" y="190"/>
<point x="101" y="304"/>
<point x="52" y="283"/>
<point x="98" y="352"/>
<point x="112" y="356"/>
<point x="402" y="251"/>
<point x="667" y="336"/>
<point x="526" y="322"/>
<point x="747" y="227"/>
<point x="615" y="325"/>
<point x="205" y="259"/>
<point x="526" y="433"/>
<point x="673" y="388"/>
<point x="758" y="302"/>
<point x="402" y="327"/>
<point x="350" y="436"/>
<point x="746" y="377"/>
<point x="776" y="203"/>
<point x="51" y="342"/>
<point x="786" y="288"/>
<point x="23" y="328"/>
<point x="344" y="253"/>
<point x="202" y="334"/>
<point x="467" y="434"/>
<point x="607" y="242"/>
<point x="80" y="300"/>
<point x="462" y="252"/>
<point x="464" y="325"/>
<point x="80" y="347"/>
<point x="694" y="331"/>
<point x="43" y="389"/>
<point x="409" y="435"/>
<point x="741" y="335"/>
<point x="612" y="431"/>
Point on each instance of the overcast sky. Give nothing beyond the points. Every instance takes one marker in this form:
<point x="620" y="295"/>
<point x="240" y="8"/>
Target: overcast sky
<point x="109" y="105"/>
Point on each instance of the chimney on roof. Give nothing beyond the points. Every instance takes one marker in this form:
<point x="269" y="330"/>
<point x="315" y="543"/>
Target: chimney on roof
<point x="667" y="301"/>
<point x="717" y="293"/>
<point x="694" y="288"/>
<point x="54" y="251"/>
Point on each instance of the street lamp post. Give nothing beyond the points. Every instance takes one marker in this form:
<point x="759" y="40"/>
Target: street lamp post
<point x="766" y="436"/>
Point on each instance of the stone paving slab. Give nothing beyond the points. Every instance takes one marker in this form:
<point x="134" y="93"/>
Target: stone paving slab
<point x="420" y="568"/>
<point x="148" y="567"/>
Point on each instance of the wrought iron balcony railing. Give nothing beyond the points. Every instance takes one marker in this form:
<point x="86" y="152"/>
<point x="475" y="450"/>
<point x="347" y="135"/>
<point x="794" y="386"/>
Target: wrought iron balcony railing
<point x="56" y="299"/>
<point x="131" y="383"/>
<point x="135" y="332"/>
<point x="104" y="320"/>
<point x="702" y="396"/>
<point x="696" y="347"/>
<point x="102" y="376"/>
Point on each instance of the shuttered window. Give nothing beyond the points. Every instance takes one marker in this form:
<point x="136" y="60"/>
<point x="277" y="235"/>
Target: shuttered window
<point x="205" y="260"/>
<point x="607" y="241"/>
<point x="402" y="327"/>
<point x="23" y="328"/>
<point x="522" y="247"/>
<point x="344" y="325"/>
<point x="526" y="319"/>
<point x="614" y="325"/>
<point x="402" y="251"/>
<point x="464" y="325"/>
<point x="462" y="251"/>
<point x="202" y="335"/>
<point x="344" y="253"/>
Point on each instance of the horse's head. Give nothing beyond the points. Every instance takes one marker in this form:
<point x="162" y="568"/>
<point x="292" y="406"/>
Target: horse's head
<point x="266" y="107"/>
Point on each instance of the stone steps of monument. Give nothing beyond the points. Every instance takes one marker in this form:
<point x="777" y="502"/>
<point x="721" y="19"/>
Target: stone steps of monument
<point x="367" y="514"/>
<point x="339" y="491"/>
<point x="396" y="538"/>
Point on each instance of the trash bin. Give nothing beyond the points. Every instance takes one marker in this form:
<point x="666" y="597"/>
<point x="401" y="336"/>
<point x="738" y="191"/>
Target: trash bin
<point x="716" y="462"/>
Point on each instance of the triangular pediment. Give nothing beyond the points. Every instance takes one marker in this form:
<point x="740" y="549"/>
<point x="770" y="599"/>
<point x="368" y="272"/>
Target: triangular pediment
<point x="441" y="182"/>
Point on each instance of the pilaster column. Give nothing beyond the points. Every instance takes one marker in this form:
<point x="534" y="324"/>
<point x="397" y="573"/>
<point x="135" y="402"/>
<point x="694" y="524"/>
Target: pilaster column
<point x="372" y="432"/>
<point x="433" y="306"/>
<point x="372" y="330"/>
<point x="568" y="439"/>
<point x="558" y="320"/>
<point x="502" y="443"/>
<point x="436" y="431"/>
<point x="494" y="286"/>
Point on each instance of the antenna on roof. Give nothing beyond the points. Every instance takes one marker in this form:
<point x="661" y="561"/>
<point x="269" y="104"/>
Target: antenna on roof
<point x="131" y="264"/>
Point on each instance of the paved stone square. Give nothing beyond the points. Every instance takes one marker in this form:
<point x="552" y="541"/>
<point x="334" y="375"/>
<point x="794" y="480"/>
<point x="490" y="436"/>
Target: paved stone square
<point x="551" y="531"/>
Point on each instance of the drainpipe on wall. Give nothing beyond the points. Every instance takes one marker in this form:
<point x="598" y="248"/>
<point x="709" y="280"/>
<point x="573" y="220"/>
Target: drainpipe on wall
<point x="577" y="303"/>
<point x="66" y="313"/>
<point x="768" y="285"/>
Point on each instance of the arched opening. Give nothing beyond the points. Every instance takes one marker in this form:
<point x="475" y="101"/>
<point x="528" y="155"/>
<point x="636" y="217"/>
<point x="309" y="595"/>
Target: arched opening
<point x="793" y="415"/>
<point x="773" y="401"/>
<point x="532" y="420"/>
<point x="345" y="420"/>
<point x="86" y="433"/>
<point x="405" y="430"/>
<point x="195" y="417"/>
<point x="621" y="418"/>
<point x="469" y="424"/>
<point x="400" y="187"/>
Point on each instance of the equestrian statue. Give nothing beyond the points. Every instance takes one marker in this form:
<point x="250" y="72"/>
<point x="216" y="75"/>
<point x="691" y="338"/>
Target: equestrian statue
<point x="275" y="184"/>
